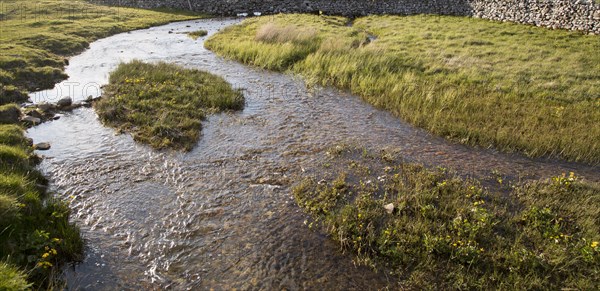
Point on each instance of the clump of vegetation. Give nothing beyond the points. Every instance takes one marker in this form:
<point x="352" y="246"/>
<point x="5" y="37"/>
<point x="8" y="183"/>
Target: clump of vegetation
<point x="509" y="86"/>
<point x="198" y="33"/>
<point x="35" y="39"/>
<point x="163" y="104"/>
<point x="431" y="229"/>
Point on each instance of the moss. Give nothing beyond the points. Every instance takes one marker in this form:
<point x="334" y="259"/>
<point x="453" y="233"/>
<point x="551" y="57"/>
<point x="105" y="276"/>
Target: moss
<point x="163" y="104"/>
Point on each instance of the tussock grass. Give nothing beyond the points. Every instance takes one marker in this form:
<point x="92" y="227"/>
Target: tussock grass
<point x="163" y="104"/>
<point x="13" y="279"/>
<point x="509" y="86"/>
<point x="447" y="232"/>
<point x="198" y="33"/>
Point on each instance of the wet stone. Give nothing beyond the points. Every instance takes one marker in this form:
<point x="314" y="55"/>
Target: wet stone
<point x="42" y="146"/>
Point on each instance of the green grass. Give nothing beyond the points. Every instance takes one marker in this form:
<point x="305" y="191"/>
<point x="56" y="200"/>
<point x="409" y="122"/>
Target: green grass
<point x="447" y="232"/>
<point x="35" y="231"/>
<point x="508" y="86"/>
<point x="35" y="39"/>
<point x="198" y="33"/>
<point x="13" y="279"/>
<point x="163" y="104"/>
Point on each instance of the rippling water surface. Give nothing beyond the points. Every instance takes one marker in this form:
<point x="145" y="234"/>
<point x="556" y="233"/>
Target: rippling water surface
<point x="222" y="215"/>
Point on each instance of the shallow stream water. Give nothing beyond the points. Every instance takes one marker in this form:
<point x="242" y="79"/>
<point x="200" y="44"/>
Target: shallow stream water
<point x="222" y="216"/>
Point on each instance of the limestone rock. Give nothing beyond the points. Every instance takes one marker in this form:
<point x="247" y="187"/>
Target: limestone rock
<point x="42" y="146"/>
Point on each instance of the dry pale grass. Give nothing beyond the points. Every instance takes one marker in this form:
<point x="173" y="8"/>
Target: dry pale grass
<point x="272" y="33"/>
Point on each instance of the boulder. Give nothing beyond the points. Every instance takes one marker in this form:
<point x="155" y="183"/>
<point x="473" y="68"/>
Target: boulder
<point x="64" y="102"/>
<point x="42" y="146"/>
<point x="30" y="120"/>
<point x="45" y="106"/>
<point x="9" y="114"/>
<point x="35" y="113"/>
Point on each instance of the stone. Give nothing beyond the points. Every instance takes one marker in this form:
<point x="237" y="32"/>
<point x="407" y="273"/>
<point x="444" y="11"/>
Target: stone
<point x="42" y="146"/>
<point x="45" y="106"/>
<point x="35" y="113"/>
<point x="389" y="208"/>
<point x="31" y="120"/>
<point x="64" y="102"/>
<point x="536" y="12"/>
<point x="10" y="114"/>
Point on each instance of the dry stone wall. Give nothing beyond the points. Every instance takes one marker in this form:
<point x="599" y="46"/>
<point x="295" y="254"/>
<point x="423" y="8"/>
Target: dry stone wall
<point x="582" y="15"/>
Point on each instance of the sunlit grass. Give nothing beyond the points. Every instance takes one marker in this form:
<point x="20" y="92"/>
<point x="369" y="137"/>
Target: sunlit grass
<point x="508" y="86"/>
<point x="35" y="37"/>
<point x="164" y="104"/>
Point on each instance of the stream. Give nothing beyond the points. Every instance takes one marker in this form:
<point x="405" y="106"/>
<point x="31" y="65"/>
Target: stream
<point x="222" y="215"/>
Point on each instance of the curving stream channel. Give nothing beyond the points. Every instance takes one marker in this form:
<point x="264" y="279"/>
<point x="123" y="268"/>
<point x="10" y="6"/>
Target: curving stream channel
<point x="222" y="216"/>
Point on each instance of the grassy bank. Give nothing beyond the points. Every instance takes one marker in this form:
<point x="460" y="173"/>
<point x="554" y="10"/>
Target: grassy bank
<point x="163" y="104"/>
<point x="440" y="231"/>
<point x="490" y="84"/>
<point x="35" y="39"/>
<point x="35" y="233"/>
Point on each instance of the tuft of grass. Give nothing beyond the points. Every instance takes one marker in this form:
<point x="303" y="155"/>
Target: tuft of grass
<point x="198" y="33"/>
<point x="163" y="104"/>
<point x="12" y="278"/>
<point x="448" y="232"/>
<point x="509" y="86"/>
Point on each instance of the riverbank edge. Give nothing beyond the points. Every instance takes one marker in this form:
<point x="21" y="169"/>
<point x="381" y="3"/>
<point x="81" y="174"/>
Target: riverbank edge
<point x="47" y="250"/>
<point x="305" y="58"/>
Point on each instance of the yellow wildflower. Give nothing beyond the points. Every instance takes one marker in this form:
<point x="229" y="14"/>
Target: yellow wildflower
<point x="594" y="244"/>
